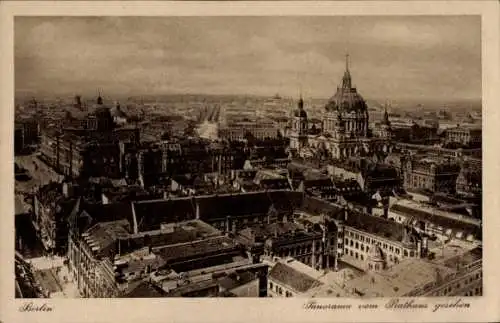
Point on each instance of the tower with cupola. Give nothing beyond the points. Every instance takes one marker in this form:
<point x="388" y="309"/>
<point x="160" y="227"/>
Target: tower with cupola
<point x="300" y="126"/>
<point x="385" y="127"/>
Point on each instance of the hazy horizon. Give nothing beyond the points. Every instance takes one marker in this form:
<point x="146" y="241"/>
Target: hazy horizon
<point x="428" y="58"/>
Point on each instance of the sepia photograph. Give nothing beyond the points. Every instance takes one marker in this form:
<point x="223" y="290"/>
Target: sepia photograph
<point x="330" y="159"/>
<point x="248" y="156"/>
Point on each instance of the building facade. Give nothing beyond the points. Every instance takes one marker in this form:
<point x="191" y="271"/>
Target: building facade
<point x="466" y="136"/>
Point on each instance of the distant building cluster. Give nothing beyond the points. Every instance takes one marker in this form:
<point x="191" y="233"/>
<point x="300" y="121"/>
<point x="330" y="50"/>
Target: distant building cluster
<point x="274" y="206"/>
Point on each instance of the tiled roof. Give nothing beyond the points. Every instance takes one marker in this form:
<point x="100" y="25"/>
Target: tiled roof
<point x="286" y="275"/>
<point x="145" y="290"/>
<point x="234" y="280"/>
<point x="109" y="212"/>
<point x="446" y="199"/>
<point x="275" y="183"/>
<point x="285" y="200"/>
<point x="445" y="222"/>
<point x="213" y="207"/>
<point x="102" y="237"/>
<point x="151" y="214"/>
<point x="375" y="225"/>
<point x="317" y="206"/>
<point x="181" y="233"/>
<point x="176" y="252"/>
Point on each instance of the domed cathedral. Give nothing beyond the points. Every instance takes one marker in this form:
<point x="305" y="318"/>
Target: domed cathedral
<point x="300" y="127"/>
<point x="345" y="132"/>
<point x="348" y="107"/>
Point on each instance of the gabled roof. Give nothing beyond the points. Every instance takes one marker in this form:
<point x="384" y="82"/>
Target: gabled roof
<point x="376" y="225"/>
<point x="445" y="222"/>
<point x="288" y="276"/>
<point x="317" y="206"/>
<point x="149" y="215"/>
<point x="145" y="290"/>
<point x="233" y="205"/>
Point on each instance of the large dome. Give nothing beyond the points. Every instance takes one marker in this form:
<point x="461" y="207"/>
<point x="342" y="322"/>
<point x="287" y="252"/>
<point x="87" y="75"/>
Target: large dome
<point x="347" y="97"/>
<point x="346" y="100"/>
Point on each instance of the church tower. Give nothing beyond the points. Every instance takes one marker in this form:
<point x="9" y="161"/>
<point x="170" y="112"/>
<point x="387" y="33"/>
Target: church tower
<point x="300" y="126"/>
<point x="385" y="127"/>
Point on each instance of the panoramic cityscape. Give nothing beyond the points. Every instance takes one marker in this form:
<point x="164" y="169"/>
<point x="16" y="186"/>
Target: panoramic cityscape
<point x="248" y="157"/>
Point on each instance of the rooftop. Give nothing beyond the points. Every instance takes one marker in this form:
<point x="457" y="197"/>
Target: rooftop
<point x="171" y="253"/>
<point x="145" y="290"/>
<point x="105" y="234"/>
<point x="295" y="275"/>
<point x="170" y="234"/>
<point x="376" y="225"/>
<point x="398" y="280"/>
<point x="455" y="222"/>
<point x="149" y="215"/>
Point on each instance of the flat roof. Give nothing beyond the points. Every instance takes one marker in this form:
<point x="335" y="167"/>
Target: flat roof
<point x="398" y="280"/>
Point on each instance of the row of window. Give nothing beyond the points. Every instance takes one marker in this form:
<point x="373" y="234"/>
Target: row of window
<point x="475" y="292"/>
<point x="362" y="247"/>
<point x="279" y="290"/>
<point x="452" y="287"/>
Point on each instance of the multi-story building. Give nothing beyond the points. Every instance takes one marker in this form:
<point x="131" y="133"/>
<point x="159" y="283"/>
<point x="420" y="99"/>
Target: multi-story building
<point x="433" y="174"/>
<point x="26" y="133"/>
<point x="458" y="274"/>
<point x="435" y="222"/>
<point x="52" y="205"/>
<point x="415" y="133"/>
<point x="374" y="243"/>
<point x="90" y="147"/>
<point x="192" y="156"/>
<point x="371" y="176"/>
<point x="241" y="131"/>
<point x="304" y="242"/>
<point x="467" y="136"/>
<point x="469" y="182"/>
<point x="465" y="280"/>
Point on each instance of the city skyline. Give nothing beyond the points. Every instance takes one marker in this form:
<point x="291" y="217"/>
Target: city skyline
<point x="428" y="57"/>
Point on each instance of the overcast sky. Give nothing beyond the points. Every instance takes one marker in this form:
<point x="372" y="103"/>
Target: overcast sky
<point x="391" y="57"/>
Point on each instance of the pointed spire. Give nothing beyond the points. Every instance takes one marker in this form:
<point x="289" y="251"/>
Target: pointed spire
<point x="386" y="115"/>
<point x="346" y="80"/>
<point x="99" y="98"/>
<point x="301" y="102"/>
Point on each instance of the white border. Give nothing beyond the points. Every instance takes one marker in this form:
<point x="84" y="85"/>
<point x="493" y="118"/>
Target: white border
<point x="252" y="310"/>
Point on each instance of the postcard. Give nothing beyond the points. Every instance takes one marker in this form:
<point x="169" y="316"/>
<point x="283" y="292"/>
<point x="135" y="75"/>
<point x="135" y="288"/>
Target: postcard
<point x="250" y="161"/>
